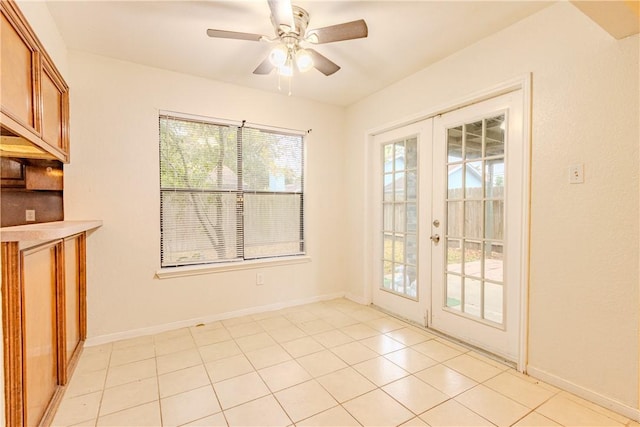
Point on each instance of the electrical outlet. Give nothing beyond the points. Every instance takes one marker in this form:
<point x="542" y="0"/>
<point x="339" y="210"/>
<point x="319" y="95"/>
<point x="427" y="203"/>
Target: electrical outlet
<point x="576" y="174"/>
<point x="30" y="215"/>
<point x="259" y="279"/>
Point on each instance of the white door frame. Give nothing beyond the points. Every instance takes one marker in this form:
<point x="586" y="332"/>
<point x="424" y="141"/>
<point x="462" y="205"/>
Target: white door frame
<point x="370" y="152"/>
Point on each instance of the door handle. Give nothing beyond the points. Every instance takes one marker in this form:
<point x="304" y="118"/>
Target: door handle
<point x="435" y="238"/>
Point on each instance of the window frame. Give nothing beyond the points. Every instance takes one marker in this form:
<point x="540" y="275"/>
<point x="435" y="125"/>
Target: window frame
<point x="241" y="261"/>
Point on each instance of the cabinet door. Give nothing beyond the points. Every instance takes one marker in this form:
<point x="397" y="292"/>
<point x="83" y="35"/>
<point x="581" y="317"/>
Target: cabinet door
<point x="54" y="108"/>
<point x="72" y="292"/>
<point x="40" y="338"/>
<point x="17" y="83"/>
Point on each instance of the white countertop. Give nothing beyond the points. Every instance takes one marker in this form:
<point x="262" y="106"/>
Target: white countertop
<point x="46" y="230"/>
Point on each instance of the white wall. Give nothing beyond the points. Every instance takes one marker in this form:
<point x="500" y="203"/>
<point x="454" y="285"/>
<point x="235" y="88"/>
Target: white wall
<point x="584" y="238"/>
<point x="114" y="176"/>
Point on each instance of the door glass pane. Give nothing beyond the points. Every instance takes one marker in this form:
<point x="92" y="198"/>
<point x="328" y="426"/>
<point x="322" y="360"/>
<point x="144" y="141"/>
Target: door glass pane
<point x="454" y="292"/>
<point x="455" y="216"/>
<point x="454" y="144"/>
<point x="473" y="141"/>
<point x="493" y="262"/>
<point x="472" y="296"/>
<point x="472" y="259"/>
<point x="475" y="217"/>
<point x="494" y="140"/>
<point x="493" y="305"/>
<point x="400" y="217"/>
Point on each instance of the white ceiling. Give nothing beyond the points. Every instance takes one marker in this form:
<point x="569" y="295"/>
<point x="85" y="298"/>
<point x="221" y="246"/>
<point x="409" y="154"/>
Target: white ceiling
<point x="404" y="37"/>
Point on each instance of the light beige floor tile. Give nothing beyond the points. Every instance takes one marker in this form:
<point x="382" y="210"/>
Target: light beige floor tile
<point x="220" y="350"/>
<point x="288" y="333"/>
<point x="366" y="314"/>
<point x="354" y="352"/>
<point x="216" y="420"/>
<point x="386" y="324"/>
<point x="346" y="384"/>
<point x="493" y="406"/>
<point x="98" y="349"/>
<point x="382" y="344"/>
<point x="223" y="369"/>
<point x="569" y="413"/>
<point x="206" y="327"/>
<point x="129" y="395"/>
<point x="315" y="326"/>
<point x="77" y="409"/>
<point x="321" y="363"/>
<point x="380" y="371"/>
<point x="530" y="395"/>
<point x="275" y="322"/>
<point x="172" y="334"/>
<point x="456" y="346"/>
<point x="407" y="336"/>
<point x="284" y="375"/>
<point x="88" y="423"/>
<point x="241" y="389"/>
<point x="377" y="408"/>
<point x="473" y="368"/>
<point x="502" y="365"/>
<point x="268" y="356"/>
<point x="414" y="422"/>
<point x="453" y="414"/>
<point x="234" y="321"/>
<point x="332" y="338"/>
<point x="340" y="320"/>
<point x="535" y="420"/>
<point x="189" y="406"/>
<point x="130" y="372"/>
<point x="133" y="342"/>
<point x="446" y="380"/>
<point x="183" y="380"/>
<point x="147" y="414"/>
<point x="302" y="347"/>
<point x="300" y="316"/>
<point x="267" y="315"/>
<point x="255" y="342"/>
<point x="360" y="331"/>
<point x="265" y="411"/>
<point x="176" y="361"/>
<point x="531" y="380"/>
<point x="334" y="417"/>
<point x="245" y="329"/>
<point x="97" y="361"/>
<point x="410" y="360"/>
<point x="597" y="408"/>
<point x="436" y="350"/>
<point x="414" y="394"/>
<point x="86" y="382"/>
<point x="174" y="345"/>
<point x="211" y="337"/>
<point x="127" y="355"/>
<point x="305" y="400"/>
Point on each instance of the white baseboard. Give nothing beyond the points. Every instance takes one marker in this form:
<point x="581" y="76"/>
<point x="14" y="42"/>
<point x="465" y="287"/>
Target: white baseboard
<point x="590" y="395"/>
<point x="151" y="330"/>
<point x="356" y="298"/>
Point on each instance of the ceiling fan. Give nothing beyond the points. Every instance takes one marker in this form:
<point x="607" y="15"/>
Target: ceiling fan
<point x="293" y="40"/>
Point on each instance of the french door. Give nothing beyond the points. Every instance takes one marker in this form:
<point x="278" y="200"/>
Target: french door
<point x="452" y="225"/>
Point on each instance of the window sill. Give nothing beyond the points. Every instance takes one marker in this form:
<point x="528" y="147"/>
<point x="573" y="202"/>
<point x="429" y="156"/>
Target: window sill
<point x="195" y="270"/>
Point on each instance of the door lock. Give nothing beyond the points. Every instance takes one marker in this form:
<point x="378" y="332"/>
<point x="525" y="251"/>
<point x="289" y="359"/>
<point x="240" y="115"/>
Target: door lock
<point x="435" y="238"/>
<point x="436" y="223"/>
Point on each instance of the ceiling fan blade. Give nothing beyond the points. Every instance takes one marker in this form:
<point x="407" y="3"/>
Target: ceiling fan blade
<point x="223" y="34"/>
<point x="282" y="13"/>
<point x="265" y="67"/>
<point x="322" y="63"/>
<point x="335" y="33"/>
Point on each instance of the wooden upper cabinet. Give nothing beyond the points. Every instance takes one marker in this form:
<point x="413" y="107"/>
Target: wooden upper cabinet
<point x="34" y="97"/>
<point x="17" y="78"/>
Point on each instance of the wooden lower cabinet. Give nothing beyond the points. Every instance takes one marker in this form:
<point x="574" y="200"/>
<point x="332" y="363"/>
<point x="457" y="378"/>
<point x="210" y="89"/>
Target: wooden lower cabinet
<point x="43" y="289"/>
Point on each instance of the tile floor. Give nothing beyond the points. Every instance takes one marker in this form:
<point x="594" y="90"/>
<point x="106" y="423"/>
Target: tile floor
<point x="333" y="363"/>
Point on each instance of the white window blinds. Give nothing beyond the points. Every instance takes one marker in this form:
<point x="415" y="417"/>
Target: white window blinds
<point x="228" y="193"/>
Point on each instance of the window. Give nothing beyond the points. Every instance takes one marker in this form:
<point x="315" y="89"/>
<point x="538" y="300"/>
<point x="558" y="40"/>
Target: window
<point x="228" y="193"/>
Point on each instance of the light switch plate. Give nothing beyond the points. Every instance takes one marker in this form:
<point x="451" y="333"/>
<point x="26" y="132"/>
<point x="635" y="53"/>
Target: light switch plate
<point x="30" y="215"/>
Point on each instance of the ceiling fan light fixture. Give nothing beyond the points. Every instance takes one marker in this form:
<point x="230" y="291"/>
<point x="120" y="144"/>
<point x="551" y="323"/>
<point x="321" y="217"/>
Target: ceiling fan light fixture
<point x="278" y="55"/>
<point x="286" y="69"/>
<point x="304" y="61"/>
